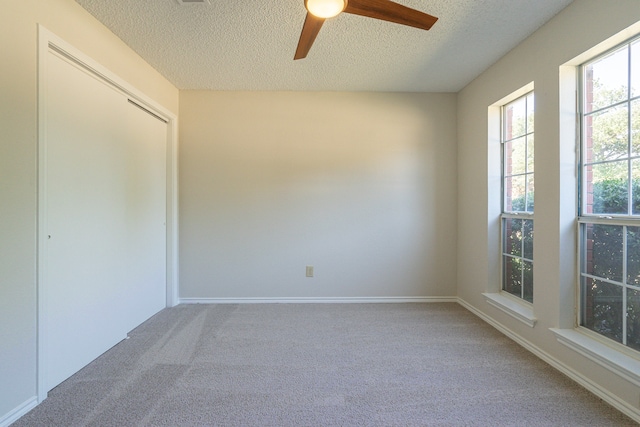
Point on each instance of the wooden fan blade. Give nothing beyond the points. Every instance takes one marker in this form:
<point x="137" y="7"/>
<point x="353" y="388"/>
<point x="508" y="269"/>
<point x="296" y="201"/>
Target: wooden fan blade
<point x="387" y="10"/>
<point x="310" y="30"/>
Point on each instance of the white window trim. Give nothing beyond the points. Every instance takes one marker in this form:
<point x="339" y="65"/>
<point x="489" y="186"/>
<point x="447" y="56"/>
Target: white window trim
<point x="515" y="307"/>
<point x="613" y="359"/>
<point x="609" y="355"/>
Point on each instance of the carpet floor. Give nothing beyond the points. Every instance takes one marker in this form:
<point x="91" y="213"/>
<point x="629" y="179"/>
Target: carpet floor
<point x="319" y="365"/>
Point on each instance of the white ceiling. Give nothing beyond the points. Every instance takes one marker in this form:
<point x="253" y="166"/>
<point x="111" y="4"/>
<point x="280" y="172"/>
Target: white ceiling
<point x="249" y="45"/>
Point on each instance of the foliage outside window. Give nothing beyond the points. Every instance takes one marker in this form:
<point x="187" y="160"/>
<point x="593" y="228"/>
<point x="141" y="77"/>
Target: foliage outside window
<point x="610" y="195"/>
<point x="518" y="197"/>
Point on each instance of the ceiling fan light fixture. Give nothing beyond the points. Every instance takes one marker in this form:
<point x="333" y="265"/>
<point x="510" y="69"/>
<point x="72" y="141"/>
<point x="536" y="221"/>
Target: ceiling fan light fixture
<point x="325" y="8"/>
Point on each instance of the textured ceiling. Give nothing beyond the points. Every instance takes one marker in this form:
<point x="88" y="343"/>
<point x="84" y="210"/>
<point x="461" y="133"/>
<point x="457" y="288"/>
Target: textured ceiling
<point x="249" y="45"/>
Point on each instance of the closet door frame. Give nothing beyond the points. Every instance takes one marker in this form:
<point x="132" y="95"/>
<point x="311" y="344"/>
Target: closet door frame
<point x="47" y="42"/>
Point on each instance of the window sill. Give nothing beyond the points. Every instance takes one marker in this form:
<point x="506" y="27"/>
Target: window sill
<point x="520" y="311"/>
<point x="615" y="361"/>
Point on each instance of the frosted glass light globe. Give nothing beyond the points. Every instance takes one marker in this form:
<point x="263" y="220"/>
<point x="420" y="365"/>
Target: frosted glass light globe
<point x="325" y="8"/>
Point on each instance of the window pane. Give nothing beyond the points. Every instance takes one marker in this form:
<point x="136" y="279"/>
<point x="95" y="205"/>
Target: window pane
<point x="586" y="196"/>
<point x="610" y="188"/>
<point x="633" y="256"/>
<point x="514" y="189"/>
<point x="527" y="238"/>
<point x="515" y="156"/>
<point x="530" y="193"/>
<point x="527" y="281"/>
<point x="530" y="152"/>
<point x="586" y="242"/>
<point x="512" y="281"/>
<point x="603" y="308"/>
<point x="530" y="112"/>
<point x="513" y="236"/>
<point x="515" y="119"/>
<point x="604" y="252"/>
<point x="610" y="134"/>
<point x="635" y="125"/>
<point x="606" y="80"/>
<point x="633" y="318"/>
<point x="635" y="69"/>
<point x="587" y="136"/>
<point x="635" y="187"/>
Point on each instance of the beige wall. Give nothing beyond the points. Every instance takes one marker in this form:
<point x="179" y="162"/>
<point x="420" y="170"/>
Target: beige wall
<point x="18" y="161"/>
<point x="582" y="25"/>
<point x="361" y="186"/>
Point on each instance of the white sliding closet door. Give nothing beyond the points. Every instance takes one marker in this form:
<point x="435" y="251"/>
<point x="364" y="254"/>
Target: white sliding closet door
<point x="105" y="218"/>
<point x="145" y="216"/>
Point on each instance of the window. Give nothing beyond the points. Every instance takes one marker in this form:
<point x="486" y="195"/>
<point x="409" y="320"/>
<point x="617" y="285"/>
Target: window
<point x="609" y="196"/>
<point x="517" y="197"/>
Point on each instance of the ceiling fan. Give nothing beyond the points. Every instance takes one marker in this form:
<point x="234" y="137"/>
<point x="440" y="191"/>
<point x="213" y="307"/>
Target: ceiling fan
<point x="320" y="10"/>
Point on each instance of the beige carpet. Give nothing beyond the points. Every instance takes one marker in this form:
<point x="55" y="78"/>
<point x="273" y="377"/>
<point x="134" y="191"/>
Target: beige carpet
<point x="319" y="365"/>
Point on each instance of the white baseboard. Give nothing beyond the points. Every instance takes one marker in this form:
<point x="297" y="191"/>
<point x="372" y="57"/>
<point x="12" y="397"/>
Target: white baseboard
<point x="18" y="412"/>
<point x="337" y="300"/>
<point x="594" y="388"/>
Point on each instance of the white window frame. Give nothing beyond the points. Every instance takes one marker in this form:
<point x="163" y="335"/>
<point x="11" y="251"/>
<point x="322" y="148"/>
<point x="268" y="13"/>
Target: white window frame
<point x="620" y="220"/>
<point x="506" y="215"/>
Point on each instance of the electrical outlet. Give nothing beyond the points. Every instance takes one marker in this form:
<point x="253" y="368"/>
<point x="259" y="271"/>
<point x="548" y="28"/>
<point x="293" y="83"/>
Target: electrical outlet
<point x="309" y="270"/>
